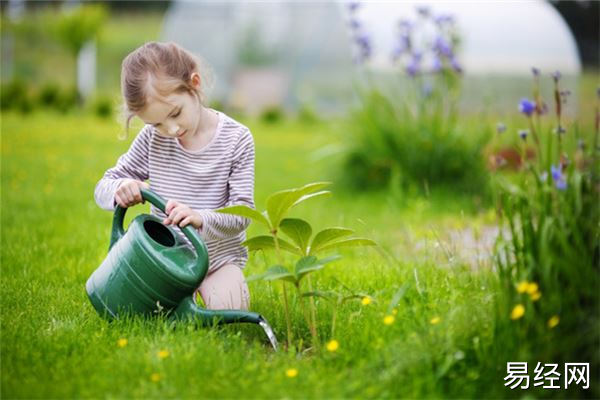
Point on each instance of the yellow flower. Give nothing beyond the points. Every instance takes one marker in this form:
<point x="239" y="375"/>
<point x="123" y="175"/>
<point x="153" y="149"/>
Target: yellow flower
<point x="333" y="345"/>
<point x="163" y="354"/>
<point x="535" y="296"/>
<point x="291" y="373"/>
<point x="366" y="301"/>
<point x="532" y="288"/>
<point x="435" y="320"/>
<point x="517" y="312"/>
<point x="553" y="321"/>
<point x="522" y="286"/>
<point x="394" y="311"/>
<point x="122" y="342"/>
<point x="155" y="377"/>
<point x="388" y="320"/>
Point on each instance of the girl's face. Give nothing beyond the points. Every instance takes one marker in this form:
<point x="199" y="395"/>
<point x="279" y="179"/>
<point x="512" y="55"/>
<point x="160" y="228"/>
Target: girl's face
<point x="176" y="117"/>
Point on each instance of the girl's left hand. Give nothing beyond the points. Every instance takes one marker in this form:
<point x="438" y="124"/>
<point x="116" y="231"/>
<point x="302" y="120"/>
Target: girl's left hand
<point x="182" y="215"/>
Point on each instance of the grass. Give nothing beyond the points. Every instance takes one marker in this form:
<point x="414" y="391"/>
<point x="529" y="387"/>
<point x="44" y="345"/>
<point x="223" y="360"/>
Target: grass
<point x="54" y="236"/>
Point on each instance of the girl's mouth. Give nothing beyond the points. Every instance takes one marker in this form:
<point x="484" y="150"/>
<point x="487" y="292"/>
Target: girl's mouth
<point x="182" y="133"/>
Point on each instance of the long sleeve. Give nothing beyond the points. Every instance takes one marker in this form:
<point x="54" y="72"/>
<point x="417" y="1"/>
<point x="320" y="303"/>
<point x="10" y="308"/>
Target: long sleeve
<point x="217" y="226"/>
<point x="132" y="165"/>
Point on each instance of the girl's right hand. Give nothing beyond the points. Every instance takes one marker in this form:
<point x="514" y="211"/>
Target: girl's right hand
<point x="128" y="193"/>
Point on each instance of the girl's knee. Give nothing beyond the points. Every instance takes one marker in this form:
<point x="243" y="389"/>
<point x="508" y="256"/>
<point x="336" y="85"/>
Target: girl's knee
<point x="226" y="289"/>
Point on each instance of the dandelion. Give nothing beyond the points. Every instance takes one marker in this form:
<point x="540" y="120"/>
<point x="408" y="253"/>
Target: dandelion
<point x="155" y="377"/>
<point x="553" y="321"/>
<point x="332" y="345"/>
<point x="517" y="312"/>
<point x="500" y="128"/>
<point x="435" y="320"/>
<point x="389" y="319"/>
<point x="526" y="106"/>
<point x="366" y="301"/>
<point x="122" y="342"/>
<point x="394" y="311"/>
<point x="535" y="296"/>
<point x="163" y="354"/>
<point x="532" y="288"/>
<point x="291" y="372"/>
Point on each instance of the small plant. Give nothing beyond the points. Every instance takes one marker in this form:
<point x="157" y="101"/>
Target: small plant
<point x="548" y="262"/>
<point x="272" y="114"/>
<point x="299" y="233"/>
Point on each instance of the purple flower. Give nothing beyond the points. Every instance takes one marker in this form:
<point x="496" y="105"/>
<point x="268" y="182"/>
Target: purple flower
<point x="500" y="128"/>
<point x="535" y="71"/>
<point x="354" y="24"/>
<point x="436" y="64"/>
<point x="560" y="130"/>
<point x="455" y="65"/>
<point x="364" y="47"/>
<point x="556" y="76"/>
<point x="423" y="11"/>
<point x="523" y="134"/>
<point x="558" y="177"/>
<point x="526" y="106"/>
<point x="405" y="24"/>
<point x="444" y="18"/>
<point x="353" y="6"/>
<point x="442" y="46"/>
<point x="412" y="68"/>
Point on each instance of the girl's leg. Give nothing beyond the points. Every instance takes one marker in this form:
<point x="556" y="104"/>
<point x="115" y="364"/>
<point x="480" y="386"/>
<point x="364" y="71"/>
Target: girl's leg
<point x="225" y="289"/>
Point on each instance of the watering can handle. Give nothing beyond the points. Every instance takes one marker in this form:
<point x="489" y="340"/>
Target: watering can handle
<point x="118" y="231"/>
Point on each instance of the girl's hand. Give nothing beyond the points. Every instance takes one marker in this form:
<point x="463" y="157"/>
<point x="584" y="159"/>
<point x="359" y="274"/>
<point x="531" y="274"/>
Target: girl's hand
<point x="182" y="215"/>
<point x="128" y="192"/>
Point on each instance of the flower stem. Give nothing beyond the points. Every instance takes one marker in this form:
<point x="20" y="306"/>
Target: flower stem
<point x="285" y="300"/>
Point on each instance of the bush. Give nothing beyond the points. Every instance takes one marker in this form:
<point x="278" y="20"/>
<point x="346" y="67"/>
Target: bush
<point x="49" y="95"/>
<point x="102" y="106"/>
<point x="272" y="114"/>
<point x="15" y="95"/>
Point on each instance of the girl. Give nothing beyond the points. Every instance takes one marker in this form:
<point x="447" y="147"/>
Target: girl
<point x="198" y="158"/>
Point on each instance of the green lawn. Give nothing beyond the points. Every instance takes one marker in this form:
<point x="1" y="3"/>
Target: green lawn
<point x="54" y="236"/>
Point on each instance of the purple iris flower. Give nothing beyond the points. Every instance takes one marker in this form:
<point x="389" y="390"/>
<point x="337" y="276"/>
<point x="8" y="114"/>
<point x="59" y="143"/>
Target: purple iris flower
<point x="526" y="106"/>
<point x="442" y="46"/>
<point x="444" y="18"/>
<point x="405" y="24"/>
<point x="354" y="24"/>
<point x="556" y="76"/>
<point x="500" y="128"/>
<point x="353" y="6"/>
<point x="436" y="64"/>
<point x="558" y="177"/>
<point x="423" y="11"/>
<point x="523" y="133"/>
<point x="455" y="65"/>
<point x="535" y="71"/>
<point x="412" y="68"/>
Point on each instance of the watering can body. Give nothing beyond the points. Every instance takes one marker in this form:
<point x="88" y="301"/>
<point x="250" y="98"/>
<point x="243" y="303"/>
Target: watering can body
<point x="150" y="269"/>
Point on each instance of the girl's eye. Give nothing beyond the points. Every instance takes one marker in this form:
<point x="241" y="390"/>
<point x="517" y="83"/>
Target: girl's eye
<point x="177" y="114"/>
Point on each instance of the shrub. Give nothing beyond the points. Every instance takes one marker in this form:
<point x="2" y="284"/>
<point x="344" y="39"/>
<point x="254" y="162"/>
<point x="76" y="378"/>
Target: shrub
<point x="272" y="114"/>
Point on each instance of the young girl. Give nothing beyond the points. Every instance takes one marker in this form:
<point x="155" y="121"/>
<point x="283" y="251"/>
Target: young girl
<point x="197" y="158"/>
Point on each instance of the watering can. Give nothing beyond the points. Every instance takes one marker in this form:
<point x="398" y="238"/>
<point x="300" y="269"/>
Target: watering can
<point x="150" y="269"/>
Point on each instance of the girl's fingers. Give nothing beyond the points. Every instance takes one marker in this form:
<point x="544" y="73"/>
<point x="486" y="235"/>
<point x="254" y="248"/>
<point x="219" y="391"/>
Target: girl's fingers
<point x="186" y="221"/>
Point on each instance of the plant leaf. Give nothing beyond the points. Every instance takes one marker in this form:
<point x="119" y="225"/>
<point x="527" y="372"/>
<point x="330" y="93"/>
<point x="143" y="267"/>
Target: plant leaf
<point x="352" y="242"/>
<point x="247" y="212"/>
<point x="298" y="230"/>
<point x="266" y="242"/>
<point x="323" y="193"/>
<point x="326" y="236"/>
<point x="324" y="295"/>
<point x="277" y="272"/>
<point x="310" y="264"/>
<point x="278" y="204"/>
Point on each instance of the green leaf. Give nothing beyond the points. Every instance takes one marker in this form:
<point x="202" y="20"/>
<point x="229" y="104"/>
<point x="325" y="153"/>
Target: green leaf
<point x="266" y="242"/>
<point x="326" y="236"/>
<point x="247" y="212"/>
<point x="323" y="193"/>
<point x="324" y="295"/>
<point x="352" y="242"/>
<point x="278" y="204"/>
<point x="298" y="230"/>
<point x="310" y="264"/>
<point x="279" y="272"/>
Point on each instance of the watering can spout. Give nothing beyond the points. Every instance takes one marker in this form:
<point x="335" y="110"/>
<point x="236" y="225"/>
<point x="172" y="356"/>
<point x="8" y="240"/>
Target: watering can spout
<point x="188" y="310"/>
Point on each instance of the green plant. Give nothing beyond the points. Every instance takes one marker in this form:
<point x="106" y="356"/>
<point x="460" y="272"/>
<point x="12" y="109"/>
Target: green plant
<point x="272" y="114"/>
<point x="548" y="261"/>
<point x="299" y="232"/>
<point x="15" y="95"/>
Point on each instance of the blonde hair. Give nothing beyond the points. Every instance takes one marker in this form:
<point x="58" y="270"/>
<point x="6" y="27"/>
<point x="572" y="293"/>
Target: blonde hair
<point x="158" y="70"/>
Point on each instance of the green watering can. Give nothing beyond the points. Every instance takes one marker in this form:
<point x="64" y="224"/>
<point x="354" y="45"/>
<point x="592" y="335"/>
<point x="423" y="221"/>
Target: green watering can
<point x="149" y="269"/>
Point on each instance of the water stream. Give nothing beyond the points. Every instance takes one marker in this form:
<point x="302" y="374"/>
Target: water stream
<point x="269" y="331"/>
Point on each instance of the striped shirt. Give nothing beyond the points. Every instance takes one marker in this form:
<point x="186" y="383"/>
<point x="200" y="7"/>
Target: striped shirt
<point x="218" y="175"/>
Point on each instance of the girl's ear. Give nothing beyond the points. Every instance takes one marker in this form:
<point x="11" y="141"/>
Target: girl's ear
<point x="195" y="80"/>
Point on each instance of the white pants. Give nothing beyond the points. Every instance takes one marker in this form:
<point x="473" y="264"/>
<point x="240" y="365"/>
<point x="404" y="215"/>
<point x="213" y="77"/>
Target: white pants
<point x="225" y="289"/>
